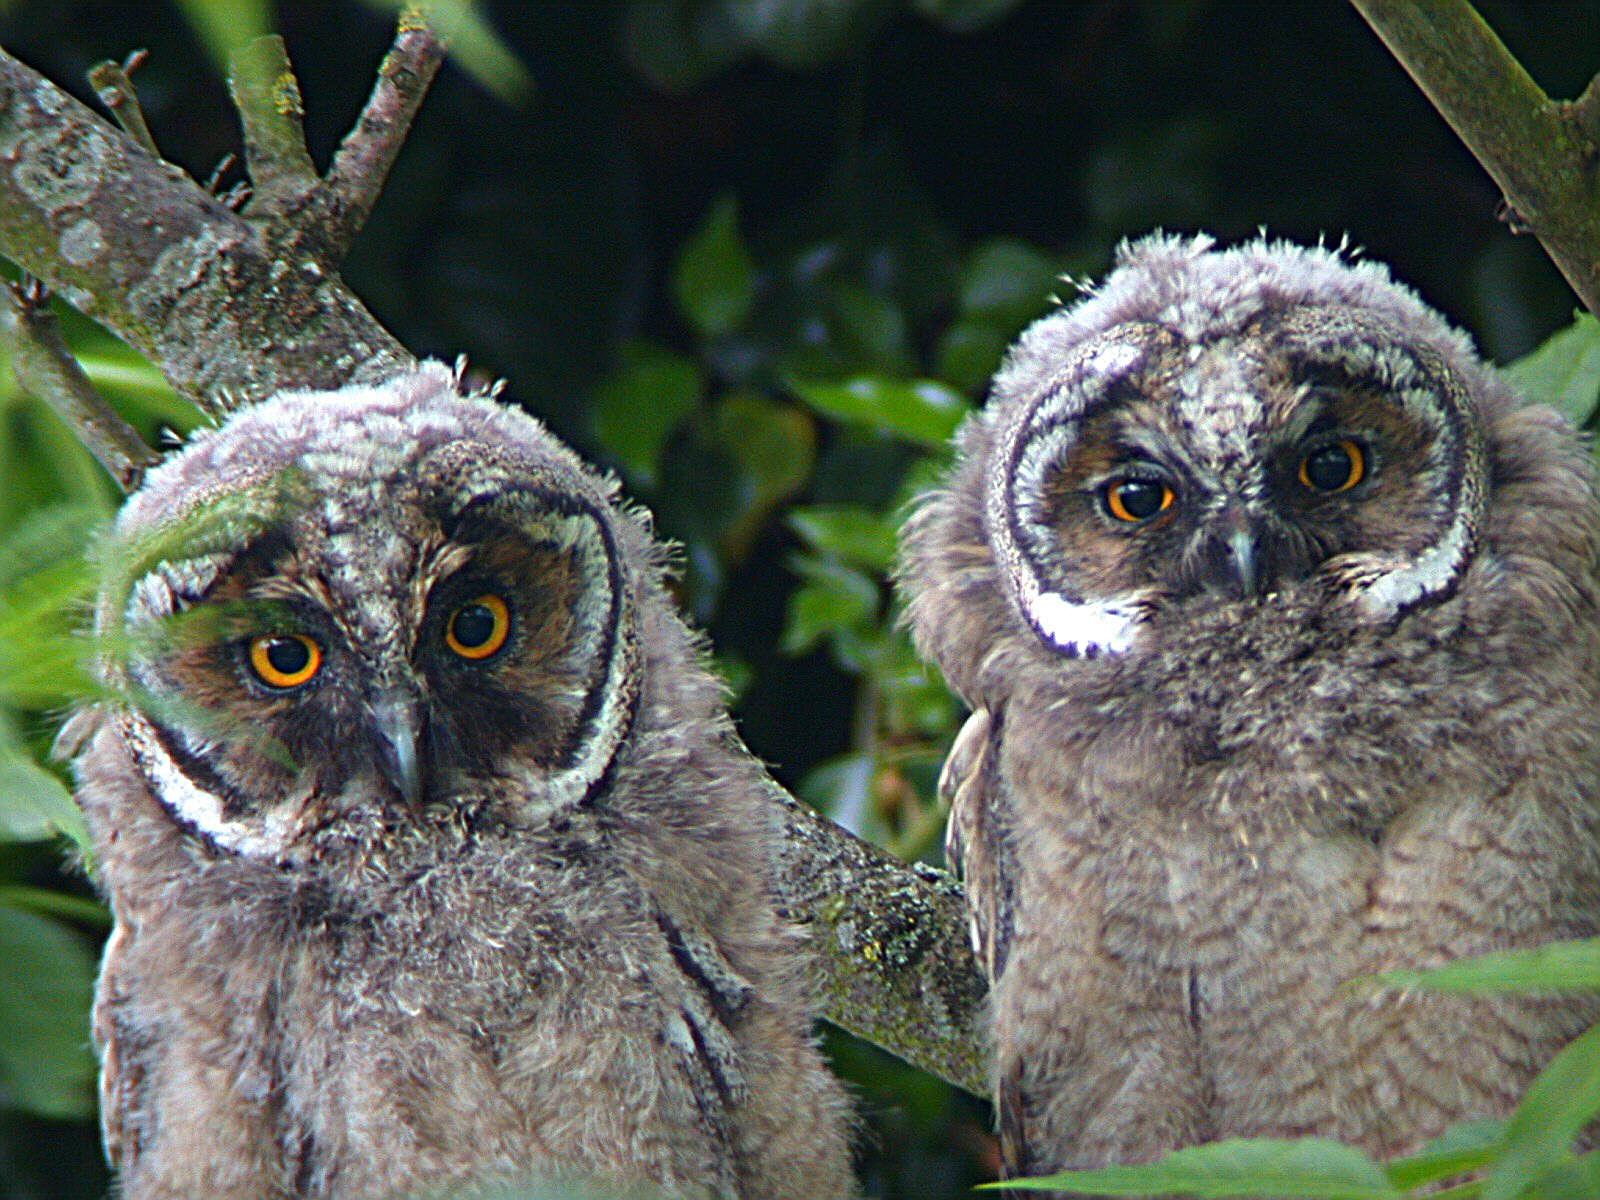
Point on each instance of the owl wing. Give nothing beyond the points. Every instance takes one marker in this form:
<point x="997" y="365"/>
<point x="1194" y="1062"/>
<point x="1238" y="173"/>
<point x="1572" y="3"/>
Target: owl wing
<point x="117" y="1082"/>
<point x="975" y="840"/>
<point x="978" y="847"/>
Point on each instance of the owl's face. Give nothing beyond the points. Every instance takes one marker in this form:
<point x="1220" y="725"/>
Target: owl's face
<point x="414" y="611"/>
<point x="1209" y="434"/>
<point x="1154" y="470"/>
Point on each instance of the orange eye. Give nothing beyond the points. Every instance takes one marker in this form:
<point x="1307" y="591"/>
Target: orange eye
<point x="478" y="628"/>
<point x="1135" y="499"/>
<point x="1333" y="469"/>
<point x="285" y="660"/>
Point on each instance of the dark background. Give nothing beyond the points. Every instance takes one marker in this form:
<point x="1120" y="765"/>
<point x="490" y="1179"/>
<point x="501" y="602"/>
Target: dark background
<point x="888" y="162"/>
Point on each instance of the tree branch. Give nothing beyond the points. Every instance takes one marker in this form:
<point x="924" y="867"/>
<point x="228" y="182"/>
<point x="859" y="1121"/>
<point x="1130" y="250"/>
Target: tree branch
<point x="236" y="307"/>
<point x="45" y="368"/>
<point x="113" y="83"/>
<point x="1542" y="153"/>
<point x="231" y="309"/>
<point x="267" y="95"/>
<point x="358" y="171"/>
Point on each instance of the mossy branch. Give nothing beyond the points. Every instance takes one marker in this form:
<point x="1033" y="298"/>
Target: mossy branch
<point x="1543" y="154"/>
<point x="235" y="307"/>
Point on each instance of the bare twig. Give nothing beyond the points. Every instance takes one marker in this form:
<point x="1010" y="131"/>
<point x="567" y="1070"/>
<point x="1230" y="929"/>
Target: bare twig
<point x="113" y="83"/>
<point x="267" y="96"/>
<point x="361" y="165"/>
<point x="1541" y="153"/>
<point x="45" y="368"/>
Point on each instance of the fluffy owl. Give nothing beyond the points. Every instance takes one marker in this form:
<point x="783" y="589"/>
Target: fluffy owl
<point x="433" y="855"/>
<point x="1278" y="613"/>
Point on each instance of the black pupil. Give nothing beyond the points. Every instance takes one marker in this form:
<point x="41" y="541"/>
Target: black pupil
<point x="288" y="656"/>
<point x="1329" y="469"/>
<point x="473" y="626"/>
<point x="1141" y="498"/>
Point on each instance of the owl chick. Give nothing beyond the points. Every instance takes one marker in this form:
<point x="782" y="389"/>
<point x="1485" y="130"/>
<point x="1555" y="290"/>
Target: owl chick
<point x="434" y="857"/>
<point x="1278" y="613"/>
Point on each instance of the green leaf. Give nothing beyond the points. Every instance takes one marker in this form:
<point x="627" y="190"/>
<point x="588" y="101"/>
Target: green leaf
<point x="1563" y="372"/>
<point x="1575" y="1180"/>
<point x="715" y="282"/>
<point x="474" y="44"/>
<point x="970" y="352"/>
<point x="853" y="532"/>
<point x="1008" y="282"/>
<point x="642" y="402"/>
<point x="806" y="33"/>
<point x="1560" y="1102"/>
<point x="225" y="25"/>
<point x="773" y="447"/>
<point x="872" y="329"/>
<point x="34" y="805"/>
<point x="1263" y="1167"/>
<point x="922" y="411"/>
<point x="678" y="44"/>
<point x="833" y="598"/>
<point x="1559" y="966"/>
<point x="1459" y="1149"/>
<point x="45" y="990"/>
<point x="964" y="16"/>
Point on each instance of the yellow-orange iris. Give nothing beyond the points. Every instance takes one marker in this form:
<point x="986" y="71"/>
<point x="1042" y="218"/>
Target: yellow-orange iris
<point x="285" y="660"/>
<point x="1333" y="469"/>
<point x="1137" y="500"/>
<point x="479" y="627"/>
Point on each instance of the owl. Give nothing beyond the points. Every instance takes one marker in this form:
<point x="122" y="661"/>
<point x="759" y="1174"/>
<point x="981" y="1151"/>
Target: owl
<point x="434" y="858"/>
<point x="1277" y="611"/>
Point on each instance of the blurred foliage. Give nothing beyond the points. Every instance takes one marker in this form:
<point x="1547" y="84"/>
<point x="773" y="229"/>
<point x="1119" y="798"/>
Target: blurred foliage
<point x="761" y="257"/>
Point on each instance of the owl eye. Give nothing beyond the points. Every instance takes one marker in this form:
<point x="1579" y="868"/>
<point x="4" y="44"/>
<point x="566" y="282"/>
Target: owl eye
<point x="1335" y="468"/>
<point x="1136" y="498"/>
<point x="285" y="660"/>
<point x="478" y="628"/>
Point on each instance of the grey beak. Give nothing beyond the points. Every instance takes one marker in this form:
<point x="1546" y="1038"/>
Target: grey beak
<point x="396" y="731"/>
<point x="1234" y="561"/>
<point x="1242" y="561"/>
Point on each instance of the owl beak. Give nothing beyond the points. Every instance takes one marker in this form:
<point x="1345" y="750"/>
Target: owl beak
<point x="396" y="726"/>
<point x="1232" y="558"/>
<point x="1241" y="555"/>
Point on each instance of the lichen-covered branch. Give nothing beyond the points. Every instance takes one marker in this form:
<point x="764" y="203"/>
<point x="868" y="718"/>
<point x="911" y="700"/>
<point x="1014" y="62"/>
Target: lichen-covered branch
<point x="267" y="97"/>
<point x="1543" y="153"/>
<point x="891" y="943"/>
<point x="234" y="307"/>
<point x="359" y="169"/>
<point x="232" y="310"/>
<point x="45" y="368"/>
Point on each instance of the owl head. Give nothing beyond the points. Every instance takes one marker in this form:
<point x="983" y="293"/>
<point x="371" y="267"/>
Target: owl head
<point x="352" y="613"/>
<point x="1217" y="431"/>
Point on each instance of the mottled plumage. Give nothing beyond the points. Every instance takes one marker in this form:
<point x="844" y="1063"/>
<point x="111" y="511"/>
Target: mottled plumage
<point x="1278" y="613"/>
<point x="481" y="896"/>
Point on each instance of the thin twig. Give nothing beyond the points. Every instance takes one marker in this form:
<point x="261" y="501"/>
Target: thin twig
<point x="356" y="176"/>
<point x="45" y="368"/>
<point x="267" y="96"/>
<point x="113" y="83"/>
<point x="1545" y="162"/>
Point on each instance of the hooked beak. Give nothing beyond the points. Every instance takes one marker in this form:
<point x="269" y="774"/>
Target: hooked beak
<point x="1233" y="558"/>
<point x="396" y="731"/>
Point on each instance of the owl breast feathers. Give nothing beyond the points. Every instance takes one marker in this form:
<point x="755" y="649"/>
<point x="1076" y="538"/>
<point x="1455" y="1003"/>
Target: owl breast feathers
<point x="1278" y="613"/>
<point x="434" y="858"/>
